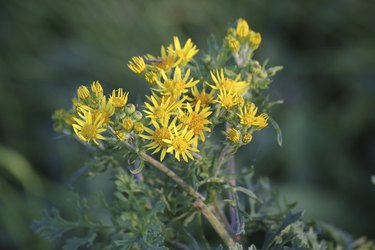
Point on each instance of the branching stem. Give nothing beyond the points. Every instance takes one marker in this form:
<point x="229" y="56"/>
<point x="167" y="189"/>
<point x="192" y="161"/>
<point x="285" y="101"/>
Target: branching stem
<point x="199" y="202"/>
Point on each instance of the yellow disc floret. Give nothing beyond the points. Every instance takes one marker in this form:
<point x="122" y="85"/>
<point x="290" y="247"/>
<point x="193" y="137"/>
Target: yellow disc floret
<point x="119" y="98"/>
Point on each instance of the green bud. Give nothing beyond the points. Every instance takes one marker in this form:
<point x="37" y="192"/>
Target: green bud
<point x="137" y="115"/>
<point x="129" y="109"/>
<point x="206" y="59"/>
<point x="263" y="74"/>
<point x="255" y="67"/>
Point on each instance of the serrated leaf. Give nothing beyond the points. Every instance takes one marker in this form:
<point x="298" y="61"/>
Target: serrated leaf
<point x="278" y="131"/>
<point x="75" y="243"/>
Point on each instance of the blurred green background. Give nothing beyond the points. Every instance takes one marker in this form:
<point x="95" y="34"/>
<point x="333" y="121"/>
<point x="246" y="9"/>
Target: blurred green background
<point x="48" y="48"/>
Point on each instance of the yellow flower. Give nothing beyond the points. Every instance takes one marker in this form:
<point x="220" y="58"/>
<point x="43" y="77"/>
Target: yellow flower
<point x="166" y="61"/>
<point x="161" y="108"/>
<point x="127" y="123"/>
<point x="242" y="28"/>
<point x="184" y="54"/>
<point x="233" y="44"/>
<point x="247" y="137"/>
<point x="196" y="120"/>
<point x="120" y="99"/>
<point x="205" y="99"/>
<point x="182" y="143"/>
<point x="151" y="77"/>
<point x="105" y="110"/>
<point x="255" y="39"/>
<point x="120" y="135"/>
<point x="248" y="116"/>
<point x="261" y="120"/>
<point x="236" y="86"/>
<point x="138" y="127"/>
<point x="137" y="64"/>
<point x="83" y="92"/>
<point x="177" y="86"/>
<point x="233" y="135"/>
<point x="87" y="128"/>
<point x="227" y="99"/>
<point x="157" y="136"/>
<point x="97" y="89"/>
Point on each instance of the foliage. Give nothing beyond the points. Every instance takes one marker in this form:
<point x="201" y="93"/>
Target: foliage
<point x="198" y="114"/>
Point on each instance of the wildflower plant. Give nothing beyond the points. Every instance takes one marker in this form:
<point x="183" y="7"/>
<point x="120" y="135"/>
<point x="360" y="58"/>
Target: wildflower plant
<point x="172" y="157"/>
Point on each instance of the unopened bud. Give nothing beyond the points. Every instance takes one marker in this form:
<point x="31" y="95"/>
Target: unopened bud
<point x="129" y="108"/>
<point x="138" y="127"/>
<point x="137" y="115"/>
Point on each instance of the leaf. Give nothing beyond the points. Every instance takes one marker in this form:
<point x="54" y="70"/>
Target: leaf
<point x="139" y="168"/>
<point x="278" y="131"/>
<point x="247" y="192"/>
<point x="75" y="243"/>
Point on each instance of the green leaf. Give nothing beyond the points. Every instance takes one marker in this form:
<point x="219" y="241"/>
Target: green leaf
<point x="75" y="243"/>
<point x="278" y="131"/>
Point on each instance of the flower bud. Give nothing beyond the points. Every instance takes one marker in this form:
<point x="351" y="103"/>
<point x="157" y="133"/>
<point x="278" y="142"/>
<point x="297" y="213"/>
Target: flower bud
<point x="83" y="92"/>
<point x="255" y="67"/>
<point x="127" y="124"/>
<point x="137" y="115"/>
<point x="97" y="88"/>
<point x="138" y="127"/>
<point x="247" y="137"/>
<point x="129" y="109"/>
<point x="263" y="74"/>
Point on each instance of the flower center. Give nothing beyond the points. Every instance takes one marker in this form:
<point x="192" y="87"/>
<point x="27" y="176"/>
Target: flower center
<point x="196" y="123"/>
<point x="175" y="88"/>
<point x="160" y="134"/>
<point x="88" y="131"/>
<point x="160" y="113"/>
<point x="227" y="101"/>
<point x="180" y="144"/>
<point x="247" y="119"/>
<point x="204" y="98"/>
<point x="118" y="102"/>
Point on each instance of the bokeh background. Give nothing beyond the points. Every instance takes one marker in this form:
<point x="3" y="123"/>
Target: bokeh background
<point x="48" y="48"/>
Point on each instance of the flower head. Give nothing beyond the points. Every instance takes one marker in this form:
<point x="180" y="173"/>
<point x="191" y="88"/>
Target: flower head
<point x="137" y="64"/>
<point x="83" y="92"/>
<point x="248" y="116"/>
<point x="161" y="108"/>
<point x="184" y="54"/>
<point x="233" y="135"/>
<point x="119" y="98"/>
<point x="255" y="39"/>
<point x="161" y="132"/>
<point x="166" y="61"/>
<point x="227" y="99"/>
<point x="177" y="85"/>
<point x="205" y="99"/>
<point x="242" y="28"/>
<point x="105" y="110"/>
<point x="97" y="89"/>
<point x="87" y="128"/>
<point x="233" y="44"/>
<point x="182" y="143"/>
<point x="235" y="85"/>
<point x="196" y="120"/>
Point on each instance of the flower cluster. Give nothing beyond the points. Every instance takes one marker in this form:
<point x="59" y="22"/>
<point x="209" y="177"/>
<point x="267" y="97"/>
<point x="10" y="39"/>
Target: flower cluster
<point x="188" y="99"/>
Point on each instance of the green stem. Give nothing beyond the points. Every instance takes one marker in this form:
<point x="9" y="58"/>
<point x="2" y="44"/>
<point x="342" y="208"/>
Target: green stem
<point x="199" y="202"/>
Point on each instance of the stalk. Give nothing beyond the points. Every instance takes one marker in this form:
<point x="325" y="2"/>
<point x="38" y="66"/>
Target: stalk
<point x="199" y="202"/>
<point x="218" y="226"/>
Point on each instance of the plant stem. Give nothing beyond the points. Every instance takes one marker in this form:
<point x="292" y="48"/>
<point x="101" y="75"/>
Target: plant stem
<point x="232" y="181"/>
<point x="199" y="202"/>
